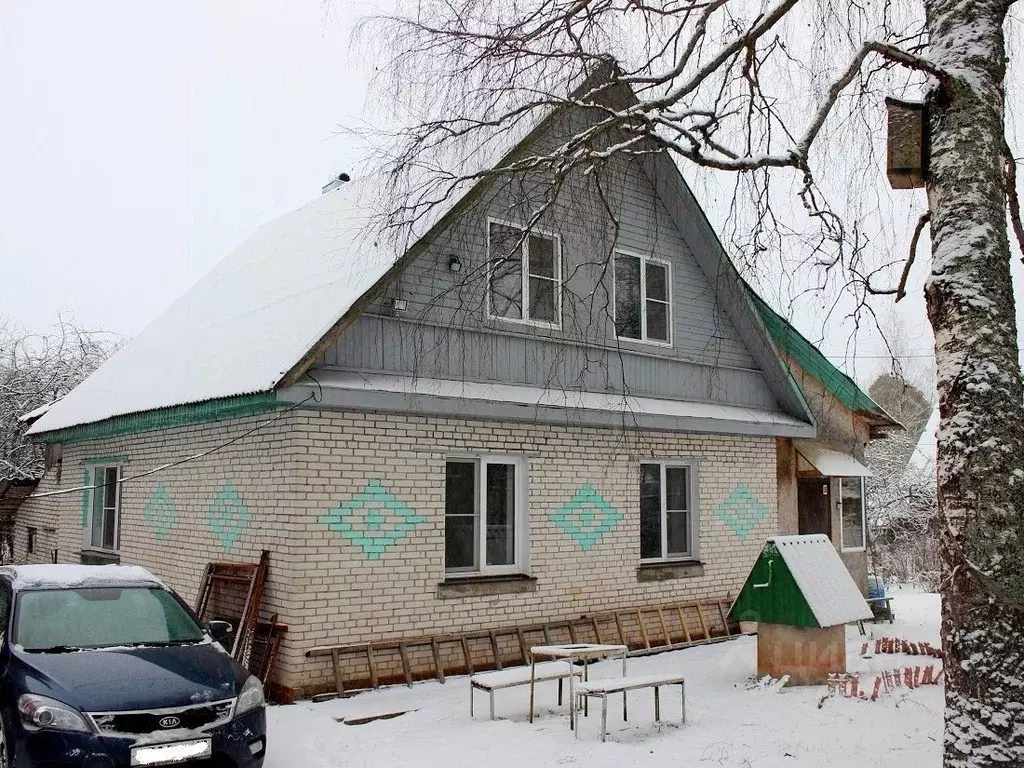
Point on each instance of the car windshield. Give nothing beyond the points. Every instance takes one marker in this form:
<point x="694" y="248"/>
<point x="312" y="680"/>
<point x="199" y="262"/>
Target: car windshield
<point x="101" y="617"/>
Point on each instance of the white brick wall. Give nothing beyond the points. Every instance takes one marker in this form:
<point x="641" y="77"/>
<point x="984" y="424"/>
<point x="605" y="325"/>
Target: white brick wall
<point x="328" y="590"/>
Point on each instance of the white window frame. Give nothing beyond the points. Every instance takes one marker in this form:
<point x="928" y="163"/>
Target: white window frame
<point x="644" y="259"/>
<point x="521" y="531"/>
<point x="863" y="516"/>
<point x="694" y="528"/>
<point x="524" y="255"/>
<point x="92" y="468"/>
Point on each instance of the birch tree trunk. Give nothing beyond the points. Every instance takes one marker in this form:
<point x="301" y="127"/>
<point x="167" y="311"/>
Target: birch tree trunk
<point x="981" y="401"/>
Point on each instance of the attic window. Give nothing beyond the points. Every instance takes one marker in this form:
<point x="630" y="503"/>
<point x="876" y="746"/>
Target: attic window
<point x="643" y="299"/>
<point x="523" y="265"/>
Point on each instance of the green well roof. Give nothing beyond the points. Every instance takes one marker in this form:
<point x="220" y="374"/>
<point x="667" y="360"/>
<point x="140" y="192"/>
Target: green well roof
<point x="800" y="581"/>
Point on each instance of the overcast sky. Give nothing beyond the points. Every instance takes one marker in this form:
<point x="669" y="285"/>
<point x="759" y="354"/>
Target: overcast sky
<point x="142" y="141"/>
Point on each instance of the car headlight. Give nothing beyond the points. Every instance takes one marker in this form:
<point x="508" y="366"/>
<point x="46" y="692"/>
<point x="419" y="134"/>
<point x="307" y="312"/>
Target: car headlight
<point x="251" y="696"/>
<point x="41" y="713"/>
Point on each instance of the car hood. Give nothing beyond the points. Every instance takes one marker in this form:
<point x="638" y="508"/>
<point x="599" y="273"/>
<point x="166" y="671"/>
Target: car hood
<point x="130" y="679"/>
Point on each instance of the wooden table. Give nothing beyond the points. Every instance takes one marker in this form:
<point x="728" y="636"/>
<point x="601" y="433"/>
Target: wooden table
<point x="574" y="652"/>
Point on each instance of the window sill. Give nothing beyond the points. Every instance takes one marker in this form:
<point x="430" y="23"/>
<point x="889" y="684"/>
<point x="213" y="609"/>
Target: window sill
<point x="556" y="326"/>
<point x="485" y="586"/>
<point x="100" y="557"/>
<point x="644" y="342"/>
<point x="669" y="570"/>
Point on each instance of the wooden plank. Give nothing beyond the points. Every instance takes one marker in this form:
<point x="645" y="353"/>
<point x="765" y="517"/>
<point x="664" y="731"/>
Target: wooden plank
<point x="664" y="627"/>
<point x="725" y="620"/>
<point x="703" y="622"/>
<point x="466" y="656"/>
<point x="522" y="645"/>
<point x="597" y="629"/>
<point x="547" y="634"/>
<point x="682" y="620"/>
<point x="572" y="631"/>
<point x="623" y="638"/>
<point x="494" y="650"/>
<point x="338" y="682"/>
<point x="372" y="664"/>
<point x="438" y="664"/>
<point x="643" y="629"/>
<point x="405" y="664"/>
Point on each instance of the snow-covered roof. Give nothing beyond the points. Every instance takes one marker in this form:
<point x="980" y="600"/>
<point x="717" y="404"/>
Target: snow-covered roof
<point x="252" y="319"/>
<point x="35" y="413"/>
<point x="243" y="326"/>
<point x="824" y="581"/>
<point x="73" y="576"/>
<point x="829" y="461"/>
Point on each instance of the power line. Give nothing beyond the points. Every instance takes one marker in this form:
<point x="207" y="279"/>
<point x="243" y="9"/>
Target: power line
<point x="179" y="462"/>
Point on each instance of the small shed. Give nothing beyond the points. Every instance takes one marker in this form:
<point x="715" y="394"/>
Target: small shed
<point x="801" y="596"/>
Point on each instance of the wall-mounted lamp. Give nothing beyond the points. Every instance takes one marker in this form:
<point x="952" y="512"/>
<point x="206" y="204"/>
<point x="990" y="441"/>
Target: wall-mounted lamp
<point x="399" y="305"/>
<point x="454" y="265"/>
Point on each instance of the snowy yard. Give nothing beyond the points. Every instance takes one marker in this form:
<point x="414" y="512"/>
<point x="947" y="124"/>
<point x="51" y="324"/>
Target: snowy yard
<point x="729" y="723"/>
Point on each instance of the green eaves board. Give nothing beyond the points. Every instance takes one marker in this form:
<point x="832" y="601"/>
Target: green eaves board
<point x="811" y="360"/>
<point x="781" y="602"/>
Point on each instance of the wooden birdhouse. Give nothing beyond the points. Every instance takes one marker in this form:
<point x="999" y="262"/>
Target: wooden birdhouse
<point x="907" y="163"/>
<point x="801" y="596"/>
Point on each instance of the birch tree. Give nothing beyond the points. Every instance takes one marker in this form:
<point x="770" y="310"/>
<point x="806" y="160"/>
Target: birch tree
<point x="757" y="87"/>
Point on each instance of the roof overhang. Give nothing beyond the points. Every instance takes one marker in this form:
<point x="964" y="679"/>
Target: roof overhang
<point x="511" y="402"/>
<point x="830" y="462"/>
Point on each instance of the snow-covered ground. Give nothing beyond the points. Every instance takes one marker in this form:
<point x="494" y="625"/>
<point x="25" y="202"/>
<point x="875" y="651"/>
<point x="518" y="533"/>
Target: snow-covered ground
<point x="729" y="722"/>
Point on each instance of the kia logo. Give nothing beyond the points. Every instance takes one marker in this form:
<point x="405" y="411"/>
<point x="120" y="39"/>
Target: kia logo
<point x="170" y="722"/>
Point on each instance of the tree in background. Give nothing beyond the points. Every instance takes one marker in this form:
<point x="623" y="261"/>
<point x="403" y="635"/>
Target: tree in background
<point x="755" y="87"/>
<point x="903" y="512"/>
<point x="35" y="370"/>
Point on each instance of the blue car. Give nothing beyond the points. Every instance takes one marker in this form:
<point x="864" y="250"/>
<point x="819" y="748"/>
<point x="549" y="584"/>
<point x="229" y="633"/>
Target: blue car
<point x="105" y="666"/>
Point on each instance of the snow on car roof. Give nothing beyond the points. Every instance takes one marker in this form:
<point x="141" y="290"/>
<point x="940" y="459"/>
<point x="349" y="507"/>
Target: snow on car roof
<point x="74" y="576"/>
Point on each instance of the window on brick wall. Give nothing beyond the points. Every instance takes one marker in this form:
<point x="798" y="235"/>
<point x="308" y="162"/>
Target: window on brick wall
<point x="668" y="511"/>
<point x="485" y="515"/>
<point x="104" y="526"/>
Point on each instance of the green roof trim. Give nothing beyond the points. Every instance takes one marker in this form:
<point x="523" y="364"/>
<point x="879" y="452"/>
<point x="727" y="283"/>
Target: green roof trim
<point x="807" y="356"/>
<point x="165" y="418"/>
<point x="771" y="594"/>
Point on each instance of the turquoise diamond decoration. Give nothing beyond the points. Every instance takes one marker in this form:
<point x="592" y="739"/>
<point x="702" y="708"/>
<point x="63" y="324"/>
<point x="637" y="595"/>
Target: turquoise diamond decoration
<point x="373" y="520"/>
<point x="586" y="517"/>
<point x="741" y="511"/>
<point x="228" y="516"/>
<point x="161" y="513"/>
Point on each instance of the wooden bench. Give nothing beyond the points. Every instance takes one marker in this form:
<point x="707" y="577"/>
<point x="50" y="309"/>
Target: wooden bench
<point x="514" y="676"/>
<point x="605" y="686"/>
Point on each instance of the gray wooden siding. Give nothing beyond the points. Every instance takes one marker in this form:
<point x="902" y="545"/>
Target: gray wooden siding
<point x="445" y="331"/>
<point x="377" y="344"/>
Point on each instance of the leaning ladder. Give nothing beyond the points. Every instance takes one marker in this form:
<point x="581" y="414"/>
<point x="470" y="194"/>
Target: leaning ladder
<point x="253" y="577"/>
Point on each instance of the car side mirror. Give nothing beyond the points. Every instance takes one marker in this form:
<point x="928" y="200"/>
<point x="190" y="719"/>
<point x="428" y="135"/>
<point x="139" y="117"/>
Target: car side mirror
<point x="219" y="629"/>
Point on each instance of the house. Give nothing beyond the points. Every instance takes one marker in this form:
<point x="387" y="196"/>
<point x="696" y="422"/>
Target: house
<point x="489" y="425"/>
<point x="13" y="493"/>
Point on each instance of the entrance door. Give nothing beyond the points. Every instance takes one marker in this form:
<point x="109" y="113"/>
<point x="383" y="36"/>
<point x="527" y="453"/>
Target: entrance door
<point x="814" y="506"/>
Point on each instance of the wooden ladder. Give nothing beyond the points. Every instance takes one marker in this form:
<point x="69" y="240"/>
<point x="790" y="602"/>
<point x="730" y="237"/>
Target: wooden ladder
<point x="253" y="576"/>
<point x="656" y="628"/>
